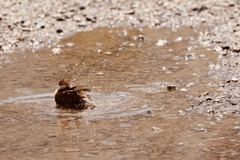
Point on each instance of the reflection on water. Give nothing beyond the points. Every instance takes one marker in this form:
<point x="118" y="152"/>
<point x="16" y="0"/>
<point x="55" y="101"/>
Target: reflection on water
<point x="129" y="71"/>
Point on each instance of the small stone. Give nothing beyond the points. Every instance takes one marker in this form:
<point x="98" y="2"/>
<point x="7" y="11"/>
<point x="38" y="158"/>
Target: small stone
<point x="58" y="17"/>
<point x="164" y="68"/>
<point x="132" y="45"/>
<point x="71" y="150"/>
<point x="82" y="8"/>
<point x="190" y="56"/>
<point x="209" y="98"/>
<point x="91" y="18"/>
<point x="82" y="24"/>
<point x="233" y="103"/>
<point x="202" y="55"/>
<point x="218" y="99"/>
<point x="12" y="40"/>
<point x="212" y="123"/>
<point x="77" y="18"/>
<point x="200" y="129"/>
<point x="211" y="111"/>
<point x="27" y="29"/>
<point x="129" y="12"/>
<point x="181" y="144"/>
<point x="121" y="48"/>
<point x="141" y="38"/>
<point x="41" y="25"/>
<point x="171" y="88"/>
<point x="234" y="79"/>
<point x="161" y="42"/>
<point x="155" y="129"/>
<point x="205" y="94"/>
<point x="178" y="39"/>
<point x="219" y="119"/>
<point x="183" y="90"/>
<point x="59" y="30"/>
<point x="200" y="125"/>
<point x="108" y="53"/>
<point x="26" y="23"/>
<point x="180" y="112"/>
<point x="190" y="85"/>
<point x="99" y="73"/>
<point x="69" y="44"/>
<point x="56" y="50"/>
<point x="60" y="46"/>
<point x="169" y="72"/>
<point x="6" y="47"/>
<point x="237" y="127"/>
<point x="149" y="112"/>
<point x="177" y="58"/>
<point x="189" y="48"/>
<point x="233" y="140"/>
<point x="125" y="125"/>
<point x="220" y="115"/>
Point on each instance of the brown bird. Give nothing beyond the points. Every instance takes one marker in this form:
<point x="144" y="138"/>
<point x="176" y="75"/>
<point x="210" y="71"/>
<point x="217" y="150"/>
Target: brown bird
<point x="72" y="97"/>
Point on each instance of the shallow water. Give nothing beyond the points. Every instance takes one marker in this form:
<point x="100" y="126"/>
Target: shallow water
<point x="136" y="115"/>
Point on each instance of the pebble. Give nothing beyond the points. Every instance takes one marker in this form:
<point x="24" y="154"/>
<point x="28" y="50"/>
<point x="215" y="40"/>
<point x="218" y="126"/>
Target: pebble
<point x="156" y="129"/>
<point x="125" y="125"/>
<point x="234" y="79"/>
<point x="233" y="140"/>
<point x="190" y="85"/>
<point x="161" y="42"/>
<point x="6" y="47"/>
<point x="99" y="73"/>
<point x="108" y="53"/>
<point x="141" y="38"/>
<point x="82" y="24"/>
<point x="190" y="56"/>
<point x="59" y="30"/>
<point x="236" y="127"/>
<point x="171" y="88"/>
<point x="200" y="129"/>
<point x="72" y="150"/>
<point x="181" y="144"/>
<point x="56" y="50"/>
<point x="189" y="48"/>
<point x="183" y="90"/>
<point x="180" y="112"/>
<point x="70" y="44"/>
<point x="178" y="39"/>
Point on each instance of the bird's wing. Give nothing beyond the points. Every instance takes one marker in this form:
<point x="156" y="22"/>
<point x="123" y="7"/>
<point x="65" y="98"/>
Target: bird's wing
<point x="74" y="93"/>
<point x="81" y="88"/>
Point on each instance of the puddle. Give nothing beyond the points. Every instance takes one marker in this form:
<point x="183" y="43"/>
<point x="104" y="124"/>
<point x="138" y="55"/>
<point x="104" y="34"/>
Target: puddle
<point x="129" y="71"/>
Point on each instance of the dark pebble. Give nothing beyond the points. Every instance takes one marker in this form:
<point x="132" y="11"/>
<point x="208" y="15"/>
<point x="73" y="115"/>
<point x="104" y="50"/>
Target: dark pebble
<point x="59" y="30"/>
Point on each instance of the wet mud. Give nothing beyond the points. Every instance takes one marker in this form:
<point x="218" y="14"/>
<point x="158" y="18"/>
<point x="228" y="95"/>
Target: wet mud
<point x="144" y="84"/>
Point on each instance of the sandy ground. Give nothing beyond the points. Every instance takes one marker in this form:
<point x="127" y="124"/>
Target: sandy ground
<point x="36" y="24"/>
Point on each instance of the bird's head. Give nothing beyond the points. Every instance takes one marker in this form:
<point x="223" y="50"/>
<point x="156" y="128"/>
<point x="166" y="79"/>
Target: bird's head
<point x="63" y="83"/>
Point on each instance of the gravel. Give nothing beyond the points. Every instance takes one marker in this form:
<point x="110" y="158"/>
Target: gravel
<point x="35" y="24"/>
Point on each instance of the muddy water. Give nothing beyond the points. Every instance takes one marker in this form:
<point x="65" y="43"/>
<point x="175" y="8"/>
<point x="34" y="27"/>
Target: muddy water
<point x="136" y="115"/>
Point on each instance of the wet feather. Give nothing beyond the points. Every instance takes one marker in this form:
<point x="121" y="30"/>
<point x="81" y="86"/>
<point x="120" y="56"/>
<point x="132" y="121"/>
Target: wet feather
<point x="72" y="97"/>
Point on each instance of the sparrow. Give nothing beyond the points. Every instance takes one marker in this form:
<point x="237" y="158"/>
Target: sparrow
<point x="72" y="97"/>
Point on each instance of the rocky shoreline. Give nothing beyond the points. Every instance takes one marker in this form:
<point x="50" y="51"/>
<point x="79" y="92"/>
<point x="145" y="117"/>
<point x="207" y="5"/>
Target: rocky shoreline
<point x="35" y="24"/>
